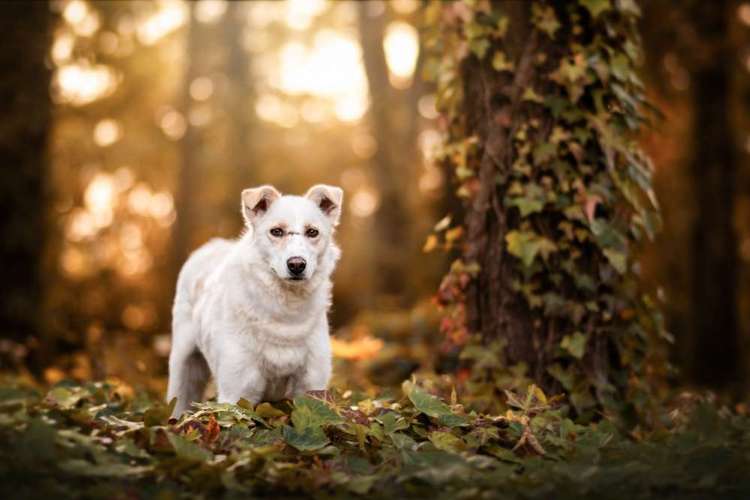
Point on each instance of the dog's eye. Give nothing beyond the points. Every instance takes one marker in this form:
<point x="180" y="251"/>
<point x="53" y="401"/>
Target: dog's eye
<point x="311" y="232"/>
<point x="277" y="232"/>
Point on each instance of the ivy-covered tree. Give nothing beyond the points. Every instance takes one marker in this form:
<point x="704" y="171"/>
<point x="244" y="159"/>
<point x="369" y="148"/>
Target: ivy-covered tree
<point x="542" y="103"/>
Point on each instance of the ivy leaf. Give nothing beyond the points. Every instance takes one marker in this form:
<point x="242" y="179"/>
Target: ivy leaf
<point x="501" y="63"/>
<point x="526" y="245"/>
<point x="596" y="7"/>
<point x="530" y="95"/>
<point x="531" y="201"/>
<point x="544" y="152"/>
<point x="432" y="406"/>
<point x="447" y="442"/>
<point x="617" y="258"/>
<point x="307" y="439"/>
<point x="562" y="375"/>
<point x="545" y="20"/>
<point x="311" y="412"/>
<point x="575" y="344"/>
<point x="526" y="206"/>
<point x="479" y="47"/>
<point x="629" y="7"/>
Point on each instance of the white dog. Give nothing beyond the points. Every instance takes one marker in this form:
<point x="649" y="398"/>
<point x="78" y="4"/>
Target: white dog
<point x="254" y="311"/>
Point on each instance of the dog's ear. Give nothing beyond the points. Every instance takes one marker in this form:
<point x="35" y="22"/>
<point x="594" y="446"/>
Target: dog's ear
<point x="328" y="199"/>
<point x="257" y="201"/>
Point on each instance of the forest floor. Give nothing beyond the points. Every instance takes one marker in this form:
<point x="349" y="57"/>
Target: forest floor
<point x="102" y="441"/>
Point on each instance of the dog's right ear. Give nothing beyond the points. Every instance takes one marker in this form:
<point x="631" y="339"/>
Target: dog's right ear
<point x="257" y="201"/>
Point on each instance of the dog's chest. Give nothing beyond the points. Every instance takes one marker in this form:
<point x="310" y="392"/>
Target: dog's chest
<point x="282" y="360"/>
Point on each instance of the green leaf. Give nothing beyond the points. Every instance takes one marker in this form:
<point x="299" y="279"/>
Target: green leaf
<point x="544" y="152"/>
<point x="501" y="63"/>
<point x="532" y="199"/>
<point x="596" y="7"/>
<point x="575" y="344"/>
<point x="562" y="375"/>
<point x="312" y="412"/>
<point x="87" y="469"/>
<point x="432" y="406"/>
<point x="392" y="422"/>
<point x="526" y="245"/>
<point x="64" y="397"/>
<point x="617" y="258"/>
<point x="307" y="439"/>
<point x="479" y="47"/>
<point x="530" y="95"/>
<point x="447" y="442"/>
<point x="544" y="19"/>
<point x="187" y="450"/>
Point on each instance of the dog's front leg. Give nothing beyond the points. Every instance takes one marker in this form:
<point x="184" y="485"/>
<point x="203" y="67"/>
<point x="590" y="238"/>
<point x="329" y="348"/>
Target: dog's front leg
<point x="236" y="381"/>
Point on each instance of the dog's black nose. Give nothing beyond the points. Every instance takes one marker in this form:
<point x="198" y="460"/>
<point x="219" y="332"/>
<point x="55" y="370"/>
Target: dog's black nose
<point x="296" y="265"/>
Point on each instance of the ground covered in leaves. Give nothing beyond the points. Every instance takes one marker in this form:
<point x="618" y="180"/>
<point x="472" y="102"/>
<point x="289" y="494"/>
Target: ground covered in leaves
<point x="97" y="441"/>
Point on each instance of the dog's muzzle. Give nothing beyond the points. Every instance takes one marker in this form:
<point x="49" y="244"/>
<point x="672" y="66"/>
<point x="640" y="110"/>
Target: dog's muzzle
<point x="296" y="266"/>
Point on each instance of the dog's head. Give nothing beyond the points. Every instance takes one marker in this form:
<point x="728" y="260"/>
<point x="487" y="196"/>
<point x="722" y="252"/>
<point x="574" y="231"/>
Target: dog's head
<point x="292" y="233"/>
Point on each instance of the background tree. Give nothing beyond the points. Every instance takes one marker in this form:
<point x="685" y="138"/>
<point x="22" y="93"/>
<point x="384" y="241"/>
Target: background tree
<point x="190" y="149"/>
<point x="542" y="105"/>
<point x="694" y="68"/>
<point x="392" y="170"/>
<point x="25" y="39"/>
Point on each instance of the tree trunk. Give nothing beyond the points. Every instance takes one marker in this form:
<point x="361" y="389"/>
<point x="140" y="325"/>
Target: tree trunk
<point x="541" y="118"/>
<point x="238" y="104"/>
<point x="25" y="36"/>
<point x="391" y="222"/>
<point x="716" y="351"/>
<point x="494" y="308"/>
<point x="187" y="173"/>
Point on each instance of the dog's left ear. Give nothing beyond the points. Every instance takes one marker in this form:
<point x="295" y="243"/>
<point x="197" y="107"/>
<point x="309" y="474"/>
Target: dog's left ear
<point x="328" y="199"/>
<point x="256" y="201"/>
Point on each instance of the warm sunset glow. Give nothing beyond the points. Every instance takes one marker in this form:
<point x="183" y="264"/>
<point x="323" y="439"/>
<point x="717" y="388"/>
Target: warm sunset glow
<point x="210" y="11"/>
<point x="201" y="88"/>
<point x="62" y="48"/>
<point x="300" y="13"/>
<point x="330" y="69"/>
<point x="107" y="132"/>
<point x="401" y="47"/>
<point x="362" y="348"/>
<point x="173" y="124"/>
<point x="81" y="83"/>
<point x="75" y="11"/>
<point x="170" y="15"/>
<point x="99" y="199"/>
<point x="364" y="202"/>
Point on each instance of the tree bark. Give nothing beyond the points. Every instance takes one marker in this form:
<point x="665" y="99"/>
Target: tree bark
<point x="187" y="172"/>
<point x="243" y="125"/>
<point x="714" y="166"/>
<point x="494" y="309"/>
<point x="25" y="37"/>
<point x="391" y="222"/>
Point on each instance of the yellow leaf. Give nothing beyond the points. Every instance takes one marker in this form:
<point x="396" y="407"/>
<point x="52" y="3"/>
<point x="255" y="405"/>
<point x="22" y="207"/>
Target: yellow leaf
<point x="431" y="244"/>
<point x="540" y="396"/>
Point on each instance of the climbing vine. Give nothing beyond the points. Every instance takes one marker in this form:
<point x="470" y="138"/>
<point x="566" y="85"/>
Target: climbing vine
<point x="541" y="109"/>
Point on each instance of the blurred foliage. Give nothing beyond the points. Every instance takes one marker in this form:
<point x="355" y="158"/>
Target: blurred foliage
<point x="554" y="162"/>
<point x="100" y="440"/>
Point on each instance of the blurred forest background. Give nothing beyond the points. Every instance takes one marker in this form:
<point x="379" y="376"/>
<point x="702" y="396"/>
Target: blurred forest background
<point x="130" y="128"/>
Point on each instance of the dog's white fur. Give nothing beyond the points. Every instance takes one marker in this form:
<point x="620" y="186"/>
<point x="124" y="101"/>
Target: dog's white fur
<point x="240" y="315"/>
